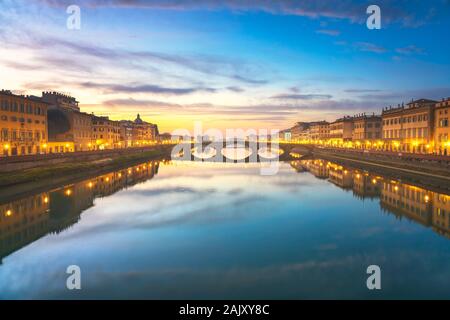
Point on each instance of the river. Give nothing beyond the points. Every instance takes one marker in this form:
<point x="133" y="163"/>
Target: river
<point x="193" y="230"/>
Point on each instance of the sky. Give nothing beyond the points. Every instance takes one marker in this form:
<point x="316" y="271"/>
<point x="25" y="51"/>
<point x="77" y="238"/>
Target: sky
<point x="230" y="64"/>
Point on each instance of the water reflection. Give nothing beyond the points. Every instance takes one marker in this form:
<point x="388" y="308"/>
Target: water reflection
<point x="28" y="219"/>
<point x="236" y="153"/>
<point x="430" y="209"/>
<point x="185" y="230"/>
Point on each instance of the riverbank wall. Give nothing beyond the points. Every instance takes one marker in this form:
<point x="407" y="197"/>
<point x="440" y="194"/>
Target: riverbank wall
<point x="11" y="164"/>
<point x="424" y="171"/>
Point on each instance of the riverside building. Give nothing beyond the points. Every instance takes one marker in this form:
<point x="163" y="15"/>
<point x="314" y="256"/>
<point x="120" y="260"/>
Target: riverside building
<point x="23" y="125"/>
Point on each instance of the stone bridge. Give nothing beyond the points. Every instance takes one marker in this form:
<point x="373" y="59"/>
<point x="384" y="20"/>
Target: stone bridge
<point x="244" y="151"/>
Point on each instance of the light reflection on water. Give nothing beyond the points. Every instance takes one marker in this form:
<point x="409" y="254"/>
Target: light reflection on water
<point x="210" y="230"/>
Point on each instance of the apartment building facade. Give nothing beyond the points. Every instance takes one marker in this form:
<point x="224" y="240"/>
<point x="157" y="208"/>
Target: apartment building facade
<point x="409" y="128"/>
<point x="367" y="131"/>
<point x="320" y="131"/>
<point x="23" y="125"/>
<point x="341" y="131"/>
<point x="442" y="128"/>
<point x="106" y="133"/>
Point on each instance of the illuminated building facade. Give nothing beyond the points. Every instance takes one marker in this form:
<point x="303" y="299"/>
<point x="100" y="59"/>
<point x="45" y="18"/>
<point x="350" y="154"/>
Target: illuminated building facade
<point x="409" y="128"/>
<point x="341" y="131"/>
<point x="441" y="127"/>
<point x="106" y="133"/>
<point x="23" y="125"/>
<point x="320" y="131"/>
<point x="367" y="131"/>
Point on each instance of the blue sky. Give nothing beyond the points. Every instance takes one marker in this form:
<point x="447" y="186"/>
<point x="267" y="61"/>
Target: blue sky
<point x="244" y="64"/>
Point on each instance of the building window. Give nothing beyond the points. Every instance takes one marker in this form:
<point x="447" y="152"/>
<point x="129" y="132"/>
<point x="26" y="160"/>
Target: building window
<point x="5" y="105"/>
<point x="5" y="134"/>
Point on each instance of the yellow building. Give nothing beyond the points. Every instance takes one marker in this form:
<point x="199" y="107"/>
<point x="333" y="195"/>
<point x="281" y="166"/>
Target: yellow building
<point x="106" y="133"/>
<point x="441" y="127"/>
<point x="297" y="131"/>
<point x="409" y="128"/>
<point x="367" y="131"/>
<point x="23" y="124"/>
<point x="341" y="131"/>
<point x="320" y="131"/>
<point x="59" y="147"/>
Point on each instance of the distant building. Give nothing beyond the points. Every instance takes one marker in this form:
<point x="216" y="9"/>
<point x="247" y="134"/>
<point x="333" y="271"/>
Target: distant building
<point x="441" y="127"/>
<point x="320" y="131"/>
<point x="60" y="101"/>
<point x="285" y="135"/>
<point x="367" y="131"/>
<point x="298" y="131"/>
<point x="341" y="130"/>
<point x="71" y="127"/>
<point x="126" y="133"/>
<point x="106" y="133"/>
<point x="23" y="124"/>
<point x="165" y="137"/>
<point x="144" y="132"/>
<point x="410" y="128"/>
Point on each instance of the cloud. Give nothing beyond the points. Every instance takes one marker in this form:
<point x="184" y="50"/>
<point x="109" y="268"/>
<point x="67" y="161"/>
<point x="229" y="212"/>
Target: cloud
<point x="235" y="89"/>
<point x="143" y="88"/>
<point x="361" y="90"/>
<point x="396" y="97"/>
<point x="266" y="111"/>
<point x="328" y="32"/>
<point x="369" y="47"/>
<point x="290" y="96"/>
<point x="88" y="57"/>
<point x="401" y="11"/>
<point x="140" y="103"/>
<point x="21" y="66"/>
<point x="411" y="49"/>
<point x="248" y="80"/>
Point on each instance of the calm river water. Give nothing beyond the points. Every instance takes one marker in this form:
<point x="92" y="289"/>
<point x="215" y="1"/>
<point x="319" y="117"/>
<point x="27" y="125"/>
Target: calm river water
<point x="186" y="230"/>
